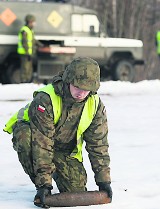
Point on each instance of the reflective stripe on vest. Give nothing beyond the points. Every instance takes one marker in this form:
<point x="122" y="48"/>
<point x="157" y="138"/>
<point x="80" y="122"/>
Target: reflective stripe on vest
<point x="22" y="114"/>
<point x="21" y="49"/>
<point x="88" y="113"/>
<point x="158" y="42"/>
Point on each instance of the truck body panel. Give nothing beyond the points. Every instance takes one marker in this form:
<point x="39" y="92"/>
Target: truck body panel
<point x="66" y="30"/>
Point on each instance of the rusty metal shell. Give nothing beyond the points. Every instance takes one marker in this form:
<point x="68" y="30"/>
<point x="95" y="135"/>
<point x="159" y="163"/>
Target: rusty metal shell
<point x="69" y="199"/>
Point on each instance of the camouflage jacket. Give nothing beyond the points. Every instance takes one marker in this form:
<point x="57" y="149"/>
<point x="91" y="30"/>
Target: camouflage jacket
<point x="47" y="137"/>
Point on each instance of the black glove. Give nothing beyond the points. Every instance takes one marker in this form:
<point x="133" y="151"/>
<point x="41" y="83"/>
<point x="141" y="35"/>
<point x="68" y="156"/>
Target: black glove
<point x="105" y="186"/>
<point x="42" y="192"/>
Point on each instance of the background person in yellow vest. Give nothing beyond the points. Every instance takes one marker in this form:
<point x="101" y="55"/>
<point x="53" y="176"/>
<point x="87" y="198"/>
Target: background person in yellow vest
<point x="48" y="133"/>
<point x="27" y="48"/>
<point x="157" y="43"/>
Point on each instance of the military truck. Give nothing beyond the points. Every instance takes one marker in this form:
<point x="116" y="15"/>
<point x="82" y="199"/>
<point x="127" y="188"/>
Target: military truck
<point x="67" y="31"/>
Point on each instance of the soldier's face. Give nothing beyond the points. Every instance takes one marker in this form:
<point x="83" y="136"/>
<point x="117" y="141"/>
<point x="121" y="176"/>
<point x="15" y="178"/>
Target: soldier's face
<point x="78" y="94"/>
<point x="31" y="24"/>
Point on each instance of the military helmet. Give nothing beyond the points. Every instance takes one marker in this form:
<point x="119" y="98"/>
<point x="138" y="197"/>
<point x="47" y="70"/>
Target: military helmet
<point x="30" y="18"/>
<point x="83" y="73"/>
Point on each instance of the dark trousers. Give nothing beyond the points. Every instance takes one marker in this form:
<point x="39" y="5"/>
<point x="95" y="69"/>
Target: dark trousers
<point x="26" y="68"/>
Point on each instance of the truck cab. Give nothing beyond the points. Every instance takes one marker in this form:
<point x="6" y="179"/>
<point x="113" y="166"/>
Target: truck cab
<point x="67" y="31"/>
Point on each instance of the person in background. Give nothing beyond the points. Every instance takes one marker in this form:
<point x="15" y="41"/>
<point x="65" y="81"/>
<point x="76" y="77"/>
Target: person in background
<point x="27" y="46"/>
<point x="48" y="133"/>
<point x="157" y="43"/>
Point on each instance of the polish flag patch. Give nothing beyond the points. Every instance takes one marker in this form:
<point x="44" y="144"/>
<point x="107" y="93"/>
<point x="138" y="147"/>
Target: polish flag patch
<point x="40" y="108"/>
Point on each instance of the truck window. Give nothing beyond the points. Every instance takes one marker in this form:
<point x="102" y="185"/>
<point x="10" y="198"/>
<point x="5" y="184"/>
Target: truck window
<point x="82" y="23"/>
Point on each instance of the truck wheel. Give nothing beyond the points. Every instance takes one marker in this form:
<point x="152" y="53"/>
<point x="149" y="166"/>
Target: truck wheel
<point x="124" y="71"/>
<point x="13" y="74"/>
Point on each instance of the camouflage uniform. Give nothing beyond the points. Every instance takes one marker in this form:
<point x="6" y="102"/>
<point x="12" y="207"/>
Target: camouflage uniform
<point x="26" y="59"/>
<point x="26" y="68"/>
<point x="44" y="148"/>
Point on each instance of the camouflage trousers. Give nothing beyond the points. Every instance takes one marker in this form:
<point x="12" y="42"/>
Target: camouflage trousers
<point x="70" y="174"/>
<point x="26" y="69"/>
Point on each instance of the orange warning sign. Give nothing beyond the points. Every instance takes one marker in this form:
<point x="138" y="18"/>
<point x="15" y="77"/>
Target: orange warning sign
<point x="8" y="17"/>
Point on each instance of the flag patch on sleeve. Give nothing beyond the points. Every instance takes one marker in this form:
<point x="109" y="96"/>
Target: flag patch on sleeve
<point x="40" y="108"/>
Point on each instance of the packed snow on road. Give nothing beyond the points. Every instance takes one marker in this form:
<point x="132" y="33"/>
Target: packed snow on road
<point x="133" y="111"/>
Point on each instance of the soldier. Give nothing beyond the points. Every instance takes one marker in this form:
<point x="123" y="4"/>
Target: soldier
<point x="157" y="42"/>
<point x="27" y="48"/>
<point x="48" y="133"/>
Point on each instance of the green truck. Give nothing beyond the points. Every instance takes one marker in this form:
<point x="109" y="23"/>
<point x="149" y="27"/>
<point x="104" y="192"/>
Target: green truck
<point x="67" y="31"/>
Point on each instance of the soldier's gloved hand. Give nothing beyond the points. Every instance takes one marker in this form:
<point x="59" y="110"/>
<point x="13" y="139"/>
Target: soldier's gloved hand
<point x="105" y="186"/>
<point x="42" y="192"/>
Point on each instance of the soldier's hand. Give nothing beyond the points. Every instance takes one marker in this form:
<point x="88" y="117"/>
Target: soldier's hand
<point x="42" y="192"/>
<point x="105" y="186"/>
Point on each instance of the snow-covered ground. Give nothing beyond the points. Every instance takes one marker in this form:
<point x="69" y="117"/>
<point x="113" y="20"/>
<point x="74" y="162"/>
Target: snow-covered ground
<point x="134" y="136"/>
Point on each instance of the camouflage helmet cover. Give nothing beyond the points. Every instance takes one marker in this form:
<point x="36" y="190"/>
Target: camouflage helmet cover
<point x="30" y="18"/>
<point x="83" y="73"/>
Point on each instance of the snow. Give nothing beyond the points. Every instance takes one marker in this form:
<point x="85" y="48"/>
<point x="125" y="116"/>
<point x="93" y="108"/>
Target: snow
<point x="133" y="111"/>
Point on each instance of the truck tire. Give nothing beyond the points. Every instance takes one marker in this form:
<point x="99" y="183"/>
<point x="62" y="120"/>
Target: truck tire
<point x="124" y="71"/>
<point x="13" y="74"/>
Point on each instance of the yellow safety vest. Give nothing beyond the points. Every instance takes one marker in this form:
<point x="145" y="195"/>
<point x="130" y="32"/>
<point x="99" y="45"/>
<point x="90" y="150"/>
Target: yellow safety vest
<point x="88" y="113"/>
<point x="21" y="49"/>
<point x="158" y="42"/>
